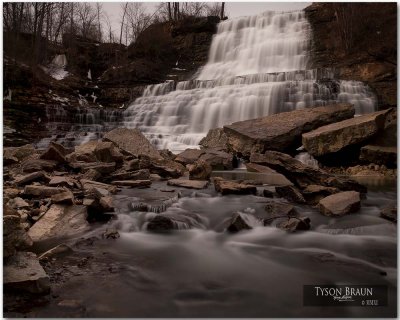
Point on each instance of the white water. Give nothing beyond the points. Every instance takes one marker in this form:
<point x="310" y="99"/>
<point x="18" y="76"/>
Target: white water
<point x="257" y="66"/>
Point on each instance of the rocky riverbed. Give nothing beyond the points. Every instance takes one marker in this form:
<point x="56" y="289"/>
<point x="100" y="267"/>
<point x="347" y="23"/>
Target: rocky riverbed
<point x="194" y="235"/>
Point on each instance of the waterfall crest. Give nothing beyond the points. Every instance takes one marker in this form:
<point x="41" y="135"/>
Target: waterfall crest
<point x="257" y="66"/>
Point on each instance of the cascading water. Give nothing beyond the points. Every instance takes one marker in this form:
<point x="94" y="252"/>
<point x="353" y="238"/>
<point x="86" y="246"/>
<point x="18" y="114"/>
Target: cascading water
<point x="257" y="66"/>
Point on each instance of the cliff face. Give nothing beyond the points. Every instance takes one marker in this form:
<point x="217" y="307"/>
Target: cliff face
<point x="360" y="40"/>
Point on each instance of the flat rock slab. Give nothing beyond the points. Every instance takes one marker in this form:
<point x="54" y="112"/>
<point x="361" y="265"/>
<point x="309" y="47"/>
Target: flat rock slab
<point x="379" y="155"/>
<point x="59" y="221"/>
<point x="132" y="141"/>
<point x="34" y="165"/>
<point x="34" y="176"/>
<point x="88" y="186"/>
<point x="254" y="167"/>
<point x="190" y="184"/>
<point x="23" y="272"/>
<point x="41" y="191"/>
<point x="336" y="136"/>
<point x="133" y="183"/>
<point x="290" y="193"/>
<point x="340" y="203"/>
<point x="232" y="187"/>
<point x="389" y="213"/>
<point x="282" y="131"/>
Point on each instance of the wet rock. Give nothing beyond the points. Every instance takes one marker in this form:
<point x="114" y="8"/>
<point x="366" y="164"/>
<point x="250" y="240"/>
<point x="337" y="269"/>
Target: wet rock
<point x="290" y="193"/>
<point x="133" y="183"/>
<point x="296" y="224"/>
<point x="190" y="184"/>
<point x="107" y="152"/>
<point x="167" y="154"/>
<point x="41" y="191"/>
<point x="57" y="251"/>
<point x="166" y="168"/>
<point x="101" y="167"/>
<point x="14" y="236"/>
<point x="83" y="152"/>
<point x="268" y="193"/>
<point x="274" y="210"/>
<point x="218" y="160"/>
<point x="65" y="197"/>
<point x="379" y="155"/>
<point x="92" y="174"/>
<point x="23" y="272"/>
<point x="34" y="176"/>
<point x="132" y="141"/>
<point x="59" y="221"/>
<point x="215" y="139"/>
<point x="282" y="131"/>
<point x="200" y="170"/>
<point x="242" y="221"/>
<point x="314" y="193"/>
<point x="232" y="187"/>
<point x="254" y="167"/>
<point x="60" y="181"/>
<point x="337" y="136"/>
<point x="156" y="202"/>
<point x="302" y="175"/>
<point x="34" y="165"/>
<point x="340" y="203"/>
<point x="107" y="203"/>
<point x="389" y="213"/>
<point x="133" y="164"/>
<point x="160" y="223"/>
<point x="19" y="153"/>
<point x="111" y="234"/>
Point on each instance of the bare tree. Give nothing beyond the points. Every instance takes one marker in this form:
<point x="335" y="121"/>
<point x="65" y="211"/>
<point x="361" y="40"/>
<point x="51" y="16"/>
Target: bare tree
<point x="122" y="21"/>
<point x="86" y="17"/>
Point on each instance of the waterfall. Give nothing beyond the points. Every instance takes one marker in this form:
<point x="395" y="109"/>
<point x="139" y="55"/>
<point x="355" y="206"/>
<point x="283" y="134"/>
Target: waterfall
<point x="257" y="66"/>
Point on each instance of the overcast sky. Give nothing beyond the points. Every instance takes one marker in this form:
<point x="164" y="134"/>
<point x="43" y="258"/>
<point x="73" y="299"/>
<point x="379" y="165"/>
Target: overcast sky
<point x="232" y="9"/>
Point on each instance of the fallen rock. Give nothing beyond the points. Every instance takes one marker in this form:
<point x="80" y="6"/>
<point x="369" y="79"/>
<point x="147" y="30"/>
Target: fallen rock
<point x="83" y="152"/>
<point x="107" y="203"/>
<point x="60" y="221"/>
<point x="215" y="139"/>
<point x="254" y="167"/>
<point x="389" y="213"/>
<point x="107" y="152"/>
<point x="274" y="210"/>
<point x="165" y="168"/>
<point x="23" y="272"/>
<point x="282" y="131"/>
<point x="302" y="175"/>
<point x="160" y="223"/>
<point x="169" y="221"/>
<point x="34" y="165"/>
<point x="132" y="142"/>
<point x="296" y="224"/>
<point x="59" y="181"/>
<point x="268" y="193"/>
<point x="242" y="221"/>
<point x="41" y="191"/>
<point x="92" y="174"/>
<point x="55" y="152"/>
<point x="65" y="197"/>
<point x="19" y="153"/>
<point x="340" y="203"/>
<point x="379" y="155"/>
<point x="35" y="176"/>
<point x="217" y="159"/>
<point x="189" y="156"/>
<point x="337" y="136"/>
<point x="57" y="251"/>
<point x="314" y="193"/>
<point x="232" y="187"/>
<point x="15" y="237"/>
<point x="200" y="170"/>
<point x="18" y="203"/>
<point x="290" y="193"/>
<point x="101" y="167"/>
<point x="190" y="184"/>
<point x="143" y="174"/>
<point x="88" y="186"/>
<point x="133" y="183"/>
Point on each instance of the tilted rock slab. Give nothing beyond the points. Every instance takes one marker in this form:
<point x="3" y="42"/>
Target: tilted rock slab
<point x="282" y="131"/>
<point x="336" y="136"/>
<point x="341" y="203"/>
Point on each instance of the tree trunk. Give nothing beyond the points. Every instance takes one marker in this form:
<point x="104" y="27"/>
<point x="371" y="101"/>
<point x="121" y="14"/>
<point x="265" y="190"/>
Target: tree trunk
<point x="122" y="23"/>
<point x="222" y="10"/>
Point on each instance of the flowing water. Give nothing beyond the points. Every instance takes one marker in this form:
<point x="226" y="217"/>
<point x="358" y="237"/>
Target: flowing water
<point x="257" y="66"/>
<point x="207" y="272"/>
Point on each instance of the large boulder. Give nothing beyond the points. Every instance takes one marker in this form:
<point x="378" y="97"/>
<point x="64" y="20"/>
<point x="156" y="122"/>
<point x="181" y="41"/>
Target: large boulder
<point x="243" y="221"/>
<point x="23" y="272"/>
<point x="340" y="203"/>
<point x="302" y="175"/>
<point x="55" y="152"/>
<point x="200" y="170"/>
<point x="59" y="221"/>
<point x="314" y="193"/>
<point x="215" y="139"/>
<point x="337" y="136"/>
<point x="18" y="153"/>
<point x="282" y="131"/>
<point x="107" y="152"/>
<point x="84" y="152"/>
<point x="290" y="193"/>
<point x="132" y="141"/>
<point x="218" y="160"/>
